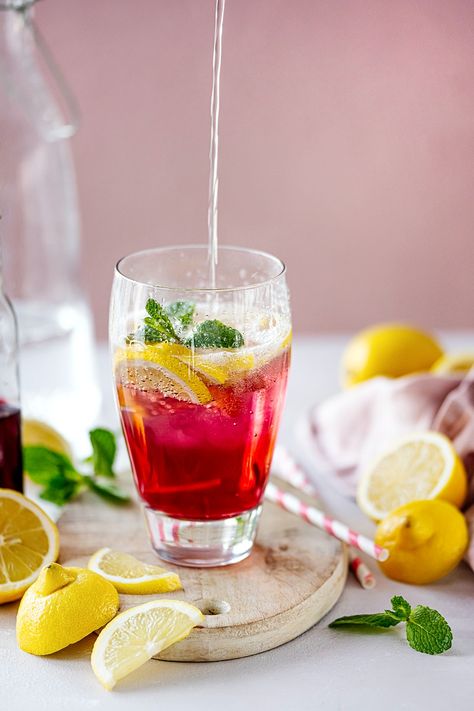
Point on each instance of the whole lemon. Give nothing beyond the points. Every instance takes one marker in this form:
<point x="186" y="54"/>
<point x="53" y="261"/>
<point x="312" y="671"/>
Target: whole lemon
<point x="389" y="349"/>
<point x="63" y="606"/>
<point x="425" y="539"/>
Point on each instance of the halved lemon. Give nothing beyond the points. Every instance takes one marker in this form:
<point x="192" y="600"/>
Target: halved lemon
<point x="453" y="363"/>
<point x="158" y="368"/>
<point x="29" y="540"/>
<point x="424" y="465"/>
<point x="130" y="575"/>
<point x="138" y="634"/>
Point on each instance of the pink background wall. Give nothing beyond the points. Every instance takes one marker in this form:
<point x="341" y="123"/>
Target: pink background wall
<point x="347" y="137"/>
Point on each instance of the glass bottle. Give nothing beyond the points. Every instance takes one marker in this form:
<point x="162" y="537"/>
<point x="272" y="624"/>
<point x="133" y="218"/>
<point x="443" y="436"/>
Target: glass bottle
<point x="11" y="469"/>
<point x="41" y="230"/>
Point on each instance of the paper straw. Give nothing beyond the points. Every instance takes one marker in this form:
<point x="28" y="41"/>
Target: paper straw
<point x="290" y="471"/>
<point x="319" y="519"/>
<point x="361" y="571"/>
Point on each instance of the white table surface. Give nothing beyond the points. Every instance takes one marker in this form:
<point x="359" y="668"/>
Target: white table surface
<point x="322" y="669"/>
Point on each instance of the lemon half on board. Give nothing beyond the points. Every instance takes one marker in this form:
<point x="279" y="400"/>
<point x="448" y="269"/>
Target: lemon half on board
<point x="29" y="540"/>
<point x="422" y="466"/>
<point x="129" y="575"/>
<point x="138" y="634"/>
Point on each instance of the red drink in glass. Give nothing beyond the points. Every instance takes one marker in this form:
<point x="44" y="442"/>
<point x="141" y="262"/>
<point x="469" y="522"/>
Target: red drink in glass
<point x="197" y="462"/>
<point x="200" y="365"/>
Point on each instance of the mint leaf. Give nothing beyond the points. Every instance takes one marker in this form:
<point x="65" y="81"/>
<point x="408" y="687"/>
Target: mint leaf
<point x="215" y="334"/>
<point x="182" y="312"/>
<point x="60" y="479"/>
<point x="107" y="490"/>
<point x="427" y="631"/>
<point x="60" y="490"/>
<point x="159" y="321"/>
<point x="43" y="464"/>
<point x="378" y="619"/>
<point x="401" y="607"/>
<point x="54" y="471"/>
<point x="104" y="448"/>
<point x="150" y="335"/>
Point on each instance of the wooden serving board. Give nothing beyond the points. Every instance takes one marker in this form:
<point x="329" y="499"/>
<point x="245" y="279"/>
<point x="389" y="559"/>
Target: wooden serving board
<point x="293" y="577"/>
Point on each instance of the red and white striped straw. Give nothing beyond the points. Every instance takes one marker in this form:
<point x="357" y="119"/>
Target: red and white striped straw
<point x="290" y="471"/>
<point x="326" y="523"/>
<point x="363" y="574"/>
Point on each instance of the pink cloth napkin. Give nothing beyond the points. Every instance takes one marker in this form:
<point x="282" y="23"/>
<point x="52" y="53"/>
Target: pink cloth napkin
<point x="349" y="430"/>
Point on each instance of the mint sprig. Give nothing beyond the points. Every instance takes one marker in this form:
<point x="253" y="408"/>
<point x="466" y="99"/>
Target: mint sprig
<point x="215" y="334"/>
<point x="426" y="629"/>
<point x="174" y="324"/>
<point x="104" y="448"/>
<point x="60" y="479"/>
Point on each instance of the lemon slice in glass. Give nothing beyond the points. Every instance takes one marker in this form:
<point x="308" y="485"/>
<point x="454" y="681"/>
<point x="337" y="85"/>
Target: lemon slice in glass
<point x="138" y="634"/>
<point x="130" y="575"/>
<point x="422" y="466"/>
<point x="29" y="540"/>
<point x="157" y="368"/>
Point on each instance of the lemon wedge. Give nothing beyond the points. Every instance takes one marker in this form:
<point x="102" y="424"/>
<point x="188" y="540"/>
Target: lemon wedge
<point x="130" y="575"/>
<point x="422" y="466"/>
<point x="157" y="368"/>
<point x="138" y="634"/>
<point x="29" y="540"/>
<point x="453" y="363"/>
<point x="37" y="433"/>
<point x="212" y="372"/>
<point x="63" y="606"/>
<point x="426" y="540"/>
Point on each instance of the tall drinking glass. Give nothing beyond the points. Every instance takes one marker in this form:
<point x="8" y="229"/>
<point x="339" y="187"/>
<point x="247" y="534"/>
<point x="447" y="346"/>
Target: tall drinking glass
<point x="201" y="373"/>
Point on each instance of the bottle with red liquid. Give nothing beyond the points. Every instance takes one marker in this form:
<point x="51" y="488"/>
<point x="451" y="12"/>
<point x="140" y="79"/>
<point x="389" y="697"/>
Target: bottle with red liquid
<point x="11" y="467"/>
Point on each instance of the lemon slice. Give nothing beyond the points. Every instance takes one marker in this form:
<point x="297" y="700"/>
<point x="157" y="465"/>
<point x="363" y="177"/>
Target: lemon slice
<point x="453" y="363"/>
<point x="213" y="373"/>
<point x="130" y="575"/>
<point x="37" y="433"/>
<point x="422" y="466"/>
<point x="138" y="634"/>
<point x="287" y="340"/>
<point x="29" y="540"/>
<point x="156" y="368"/>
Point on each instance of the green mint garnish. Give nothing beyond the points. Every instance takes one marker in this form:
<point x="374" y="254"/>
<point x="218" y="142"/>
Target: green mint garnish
<point x="60" y="479"/>
<point x="107" y="489"/>
<point x="181" y="312"/>
<point x="215" y="334"/>
<point x="378" y="619"/>
<point x="426" y="629"/>
<point x="159" y="323"/>
<point x="104" y="448"/>
<point x="173" y="324"/>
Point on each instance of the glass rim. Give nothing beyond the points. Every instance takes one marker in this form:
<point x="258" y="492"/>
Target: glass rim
<point x="217" y="289"/>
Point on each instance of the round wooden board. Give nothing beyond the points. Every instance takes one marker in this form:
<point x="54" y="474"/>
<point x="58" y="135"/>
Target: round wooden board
<point x="293" y="577"/>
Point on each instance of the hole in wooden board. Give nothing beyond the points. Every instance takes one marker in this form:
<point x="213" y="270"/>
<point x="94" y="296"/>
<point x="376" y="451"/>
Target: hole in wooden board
<point x="213" y="607"/>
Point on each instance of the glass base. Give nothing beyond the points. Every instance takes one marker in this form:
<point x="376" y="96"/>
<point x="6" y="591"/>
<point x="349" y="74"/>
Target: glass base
<point x="202" y="544"/>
